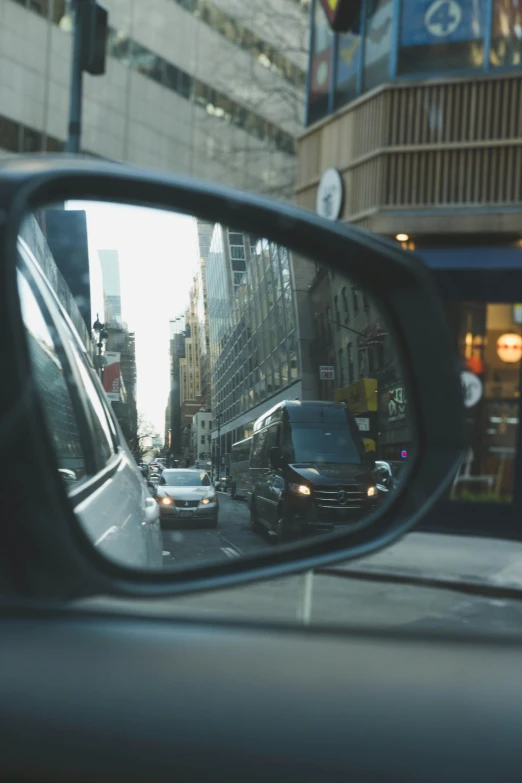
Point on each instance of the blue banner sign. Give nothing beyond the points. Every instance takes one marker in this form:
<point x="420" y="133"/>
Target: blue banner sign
<point x="425" y="22"/>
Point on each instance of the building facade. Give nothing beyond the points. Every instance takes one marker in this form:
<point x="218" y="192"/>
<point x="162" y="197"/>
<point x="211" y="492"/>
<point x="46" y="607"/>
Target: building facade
<point x="110" y="267"/>
<point x="254" y="356"/>
<point x="177" y="353"/>
<point x="417" y="108"/>
<point x="212" y="89"/>
<point x="201" y="437"/>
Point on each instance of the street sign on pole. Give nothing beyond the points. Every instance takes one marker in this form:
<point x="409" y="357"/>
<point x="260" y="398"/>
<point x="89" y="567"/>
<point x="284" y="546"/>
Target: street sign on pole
<point x="327" y="372"/>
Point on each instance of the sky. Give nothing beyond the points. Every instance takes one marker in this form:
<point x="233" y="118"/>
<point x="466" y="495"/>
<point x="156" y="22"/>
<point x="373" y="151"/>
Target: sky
<point x="158" y="253"/>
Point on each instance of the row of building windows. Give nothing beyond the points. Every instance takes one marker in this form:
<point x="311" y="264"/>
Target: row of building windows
<point x="254" y="351"/>
<point x="216" y="104"/>
<point x="431" y="37"/>
<point x="235" y="33"/>
<point x="17" y="137"/>
<point x="134" y="55"/>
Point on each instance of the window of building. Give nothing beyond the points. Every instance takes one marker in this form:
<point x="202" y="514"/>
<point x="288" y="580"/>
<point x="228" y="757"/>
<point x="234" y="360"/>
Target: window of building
<point x="341" y="368"/>
<point x="347" y="66"/>
<point x="506" y="41"/>
<point x="351" y="371"/>
<point x="441" y="36"/>
<point x="320" y="65"/>
<point x="50" y="376"/>
<point x="377" y="42"/>
<point x="355" y="299"/>
<point x="489" y="339"/>
<point x="337" y="313"/>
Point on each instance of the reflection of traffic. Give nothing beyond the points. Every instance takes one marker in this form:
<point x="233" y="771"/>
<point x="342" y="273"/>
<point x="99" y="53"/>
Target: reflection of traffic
<point x="305" y="469"/>
<point x="187" y="496"/>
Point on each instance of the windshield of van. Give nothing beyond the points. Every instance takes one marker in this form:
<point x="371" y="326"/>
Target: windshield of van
<point x="323" y="443"/>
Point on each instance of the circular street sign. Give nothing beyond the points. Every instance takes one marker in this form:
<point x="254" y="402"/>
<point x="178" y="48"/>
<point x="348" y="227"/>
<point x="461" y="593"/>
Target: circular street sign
<point x="471" y="388"/>
<point x="443" y="17"/>
<point x="330" y="194"/>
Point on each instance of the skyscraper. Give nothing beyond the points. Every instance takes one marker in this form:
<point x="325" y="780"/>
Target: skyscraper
<point x="110" y="265"/>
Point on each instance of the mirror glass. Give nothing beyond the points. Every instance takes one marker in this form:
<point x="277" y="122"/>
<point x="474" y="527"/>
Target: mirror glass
<point x="255" y="395"/>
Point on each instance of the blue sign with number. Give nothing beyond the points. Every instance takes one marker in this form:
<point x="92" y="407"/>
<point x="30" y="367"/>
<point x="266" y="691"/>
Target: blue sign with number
<point x="425" y="22"/>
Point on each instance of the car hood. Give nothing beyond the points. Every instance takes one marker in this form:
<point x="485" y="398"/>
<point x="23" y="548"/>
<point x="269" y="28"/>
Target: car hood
<point x="331" y="473"/>
<point x="184" y="493"/>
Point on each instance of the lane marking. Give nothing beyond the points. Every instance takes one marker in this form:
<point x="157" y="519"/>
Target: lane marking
<point x="230" y="552"/>
<point x="166" y="553"/>
<point x="236" y="549"/>
<point x="113" y="529"/>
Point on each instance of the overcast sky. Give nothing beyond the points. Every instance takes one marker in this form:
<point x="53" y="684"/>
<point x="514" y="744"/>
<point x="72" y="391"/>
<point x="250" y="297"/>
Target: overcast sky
<point x="158" y="253"/>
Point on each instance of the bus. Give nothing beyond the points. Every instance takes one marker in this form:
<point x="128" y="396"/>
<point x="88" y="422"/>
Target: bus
<point x="240" y="468"/>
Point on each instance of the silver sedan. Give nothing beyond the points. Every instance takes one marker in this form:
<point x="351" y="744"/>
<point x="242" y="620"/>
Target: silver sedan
<point x="187" y="496"/>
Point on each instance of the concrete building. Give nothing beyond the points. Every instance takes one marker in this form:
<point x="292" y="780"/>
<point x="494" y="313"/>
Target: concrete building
<point x="123" y="342"/>
<point x="177" y="352"/>
<point x="199" y="87"/>
<point x="110" y="266"/>
<point x="418" y="109"/>
<point x="254" y="351"/>
<point x="201" y="436"/>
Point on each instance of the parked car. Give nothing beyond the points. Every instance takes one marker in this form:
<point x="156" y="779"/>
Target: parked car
<point x="103" y="482"/>
<point x="187" y="495"/>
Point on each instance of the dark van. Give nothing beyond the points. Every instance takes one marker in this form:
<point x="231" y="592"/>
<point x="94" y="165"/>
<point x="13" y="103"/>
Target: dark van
<point x="309" y="470"/>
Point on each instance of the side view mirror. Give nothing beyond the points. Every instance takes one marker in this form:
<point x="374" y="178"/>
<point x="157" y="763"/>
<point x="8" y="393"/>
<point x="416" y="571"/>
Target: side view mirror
<point x="276" y="457"/>
<point x="257" y="373"/>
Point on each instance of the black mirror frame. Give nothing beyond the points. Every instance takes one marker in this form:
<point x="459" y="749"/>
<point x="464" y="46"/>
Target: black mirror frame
<point x="66" y="562"/>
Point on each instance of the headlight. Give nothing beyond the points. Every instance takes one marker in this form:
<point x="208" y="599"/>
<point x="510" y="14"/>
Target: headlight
<point x="211" y="499"/>
<point x="166" y="501"/>
<point x="372" y="491"/>
<point x="300" y="489"/>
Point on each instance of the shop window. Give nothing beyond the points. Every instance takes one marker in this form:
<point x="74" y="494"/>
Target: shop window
<point x="490" y="348"/>
<point x="441" y="36"/>
<point x="377" y="42"/>
<point x="346" y="68"/>
<point x="506" y="41"/>
<point x="320" y="65"/>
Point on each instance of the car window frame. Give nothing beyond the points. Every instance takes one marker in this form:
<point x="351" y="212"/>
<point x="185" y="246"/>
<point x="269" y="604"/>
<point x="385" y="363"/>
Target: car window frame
<point x="53" y="316"/>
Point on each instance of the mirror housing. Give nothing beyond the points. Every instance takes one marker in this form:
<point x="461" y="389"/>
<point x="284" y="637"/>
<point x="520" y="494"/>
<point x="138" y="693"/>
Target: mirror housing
<point x="397" y="278"/>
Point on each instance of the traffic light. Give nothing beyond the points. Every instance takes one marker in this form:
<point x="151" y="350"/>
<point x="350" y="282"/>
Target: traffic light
<point x="342" y="14"/>
<point x="93" y="21"/>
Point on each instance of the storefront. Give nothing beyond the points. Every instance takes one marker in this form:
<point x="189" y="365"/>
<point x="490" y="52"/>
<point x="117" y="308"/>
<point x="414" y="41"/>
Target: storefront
<point x="482" y="289"/>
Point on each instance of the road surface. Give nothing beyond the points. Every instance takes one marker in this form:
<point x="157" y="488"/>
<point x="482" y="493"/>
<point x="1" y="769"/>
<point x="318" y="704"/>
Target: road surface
<point x="232" y="538"/>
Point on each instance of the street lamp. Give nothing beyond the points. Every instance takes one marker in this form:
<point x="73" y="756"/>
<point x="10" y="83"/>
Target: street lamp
<point x="101" y="336"/>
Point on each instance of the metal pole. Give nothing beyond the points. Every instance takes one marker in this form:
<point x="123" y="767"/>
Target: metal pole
<point x="219" y="449"/>
<point x="75" y="101"/>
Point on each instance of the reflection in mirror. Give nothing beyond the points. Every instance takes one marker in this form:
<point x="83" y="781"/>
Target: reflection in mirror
<point x="254" y="396"/>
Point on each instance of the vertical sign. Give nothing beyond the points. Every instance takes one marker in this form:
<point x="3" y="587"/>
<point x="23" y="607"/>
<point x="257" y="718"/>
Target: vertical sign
<point x="111" y="375"/>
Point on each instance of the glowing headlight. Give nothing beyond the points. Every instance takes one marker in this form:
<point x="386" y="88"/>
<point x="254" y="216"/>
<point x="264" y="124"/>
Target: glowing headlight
<point x="206" y="501"/>
<point x="372" y="491"/>
<point x="166" y="501"/>
<point x="300" y="489"/>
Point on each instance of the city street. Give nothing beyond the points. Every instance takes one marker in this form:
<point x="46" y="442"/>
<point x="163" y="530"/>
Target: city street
<point x="232" y="537"/>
